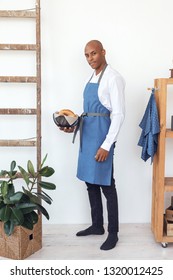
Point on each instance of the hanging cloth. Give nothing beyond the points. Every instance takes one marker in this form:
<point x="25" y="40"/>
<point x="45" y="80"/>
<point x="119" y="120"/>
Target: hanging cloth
<point x="150" y="129"/>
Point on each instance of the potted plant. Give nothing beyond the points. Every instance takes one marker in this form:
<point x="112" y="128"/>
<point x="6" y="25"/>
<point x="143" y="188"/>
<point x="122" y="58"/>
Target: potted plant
<point x="22" y="208"/>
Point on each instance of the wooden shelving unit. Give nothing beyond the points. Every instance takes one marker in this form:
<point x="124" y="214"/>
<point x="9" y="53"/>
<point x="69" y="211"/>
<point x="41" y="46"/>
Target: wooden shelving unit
<point x="160" y="183"/>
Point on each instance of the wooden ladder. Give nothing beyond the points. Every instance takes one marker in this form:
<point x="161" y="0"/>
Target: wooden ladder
<point x="33" y="142"/>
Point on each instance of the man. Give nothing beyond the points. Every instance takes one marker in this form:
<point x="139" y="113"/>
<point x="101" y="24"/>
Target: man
<point x="100" y="125"/>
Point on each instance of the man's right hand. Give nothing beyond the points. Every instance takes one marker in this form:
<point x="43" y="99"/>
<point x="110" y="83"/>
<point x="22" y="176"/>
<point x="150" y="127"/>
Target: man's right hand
<point x="68" y="129"/>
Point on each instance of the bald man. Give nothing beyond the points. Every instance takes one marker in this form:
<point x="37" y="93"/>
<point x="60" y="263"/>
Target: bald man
<point x="101" y="121"/>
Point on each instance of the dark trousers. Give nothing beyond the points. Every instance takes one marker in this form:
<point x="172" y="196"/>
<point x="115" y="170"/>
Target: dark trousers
<point x="95" y="199"/>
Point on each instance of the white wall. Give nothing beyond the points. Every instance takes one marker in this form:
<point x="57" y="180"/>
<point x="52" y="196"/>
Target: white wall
<point x="137" y="36"/>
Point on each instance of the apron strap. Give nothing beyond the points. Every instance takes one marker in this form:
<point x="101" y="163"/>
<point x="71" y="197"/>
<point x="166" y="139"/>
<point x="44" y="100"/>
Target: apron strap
<point x="100" y="74"/>
<point x="95" y="115"/>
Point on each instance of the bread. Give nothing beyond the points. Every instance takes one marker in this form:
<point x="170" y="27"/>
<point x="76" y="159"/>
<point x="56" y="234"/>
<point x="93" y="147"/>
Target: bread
<point x="66" y="112"/>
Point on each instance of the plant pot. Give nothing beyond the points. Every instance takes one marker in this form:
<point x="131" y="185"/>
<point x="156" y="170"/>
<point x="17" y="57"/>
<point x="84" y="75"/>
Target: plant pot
<point x="22" y="243"/>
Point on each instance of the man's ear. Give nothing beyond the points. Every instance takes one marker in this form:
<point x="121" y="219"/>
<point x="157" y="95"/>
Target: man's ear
<point x="103" y="52"/>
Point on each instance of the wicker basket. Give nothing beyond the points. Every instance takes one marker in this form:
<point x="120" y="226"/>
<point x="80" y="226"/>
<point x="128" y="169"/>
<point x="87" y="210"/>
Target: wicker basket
<point x="22" y="243"/>
<point x="168" y="227"/>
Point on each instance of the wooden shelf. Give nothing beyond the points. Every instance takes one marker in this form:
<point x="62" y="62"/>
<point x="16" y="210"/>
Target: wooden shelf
<point x="168" y="184"/>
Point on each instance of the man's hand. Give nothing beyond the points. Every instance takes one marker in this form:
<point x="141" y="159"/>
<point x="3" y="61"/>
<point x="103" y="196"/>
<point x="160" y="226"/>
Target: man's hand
<point x="68" y="129"/>
<point x="101" y="155"/>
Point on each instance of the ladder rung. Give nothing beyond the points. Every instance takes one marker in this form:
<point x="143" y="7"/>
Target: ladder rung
<point x="18" y="143"/>
<point x="27" y="47"/>
<point x="17" y="79"/>
<point x="17" y="111"/>
<point x="18" y="175"/>
<point x="18" y="14"/>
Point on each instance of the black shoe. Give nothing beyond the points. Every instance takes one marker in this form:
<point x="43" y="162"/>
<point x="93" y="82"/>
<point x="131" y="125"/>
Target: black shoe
<point x="110" y="242"/>
<point x="91" y="230"/>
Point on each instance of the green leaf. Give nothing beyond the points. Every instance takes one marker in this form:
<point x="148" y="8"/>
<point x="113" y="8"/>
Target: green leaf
<point x="16" y="197"/>
<point x="27" y="207"/>
<point x="13" y="174"/>
<point x="33" y="198"/>
<point x="43" y="161"/>
<point x="5" y="213"/>
<point x="26" y="192"/>
<point x="6" y="200"/>
<point x="11" y="190"/>
<point x="9" y="227"/>
<point x="34" y="217"/>
<point x="45" y="198"/>
<point x="43" y="211"/>
<point x="46" y="195"/>
<point x="24" y="174"/>
<point x="28" y="222"/>
<point x="31" y="168"/>
<point x="2" y="210"/>
<point x="47" y="185"/>
<point x="3" y="173"/>
<point x="18" y="215"/>
<point x="13" y="165"/>
<point x="46" y="171"/>
<point x="4" y="188"/>
<point x="7" y="189"/>
<point x="1" y="203"/>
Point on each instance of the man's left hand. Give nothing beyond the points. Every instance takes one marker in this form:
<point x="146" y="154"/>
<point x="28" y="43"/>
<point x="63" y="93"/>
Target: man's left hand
<point x="101" y="155"/>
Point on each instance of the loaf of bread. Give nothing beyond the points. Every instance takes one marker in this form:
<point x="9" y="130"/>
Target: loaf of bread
<point x="66" y="112"/>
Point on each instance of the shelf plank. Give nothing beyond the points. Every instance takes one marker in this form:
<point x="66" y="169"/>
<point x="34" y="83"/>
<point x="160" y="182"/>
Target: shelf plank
<point x="20" y="47"/>
<point x="168" y="183"/>
<point x="18" y="111"/>
<point x="170" y="81"/>
<point x="167" y="238"/>
<point x="18" y="79"/>
<point x="17" y="143"/>
<point x="169" y="133"/>
<point x="18" y="14"/>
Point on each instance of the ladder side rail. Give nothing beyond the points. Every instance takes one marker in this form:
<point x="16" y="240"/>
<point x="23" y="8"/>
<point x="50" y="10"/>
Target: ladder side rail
<point x="38" y="71"/>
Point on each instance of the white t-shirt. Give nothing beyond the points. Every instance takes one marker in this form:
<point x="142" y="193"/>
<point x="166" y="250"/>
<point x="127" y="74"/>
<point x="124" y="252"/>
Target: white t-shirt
<point x="111" y="95"/>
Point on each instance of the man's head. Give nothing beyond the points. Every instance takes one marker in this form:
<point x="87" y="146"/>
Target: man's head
<point x="95" y="55"/>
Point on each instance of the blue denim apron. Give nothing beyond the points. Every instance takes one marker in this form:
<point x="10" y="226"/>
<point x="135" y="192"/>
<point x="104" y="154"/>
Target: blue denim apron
<point x="94" y="131"/>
